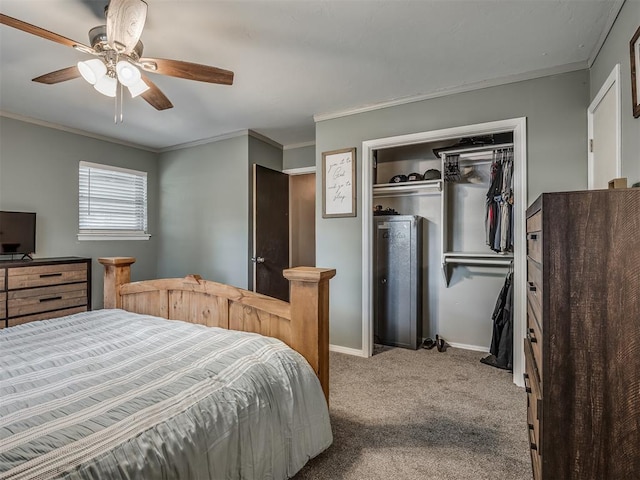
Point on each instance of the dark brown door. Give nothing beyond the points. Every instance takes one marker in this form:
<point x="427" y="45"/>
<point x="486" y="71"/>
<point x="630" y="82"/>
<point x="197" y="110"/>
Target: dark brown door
<point x="270" y="232"/>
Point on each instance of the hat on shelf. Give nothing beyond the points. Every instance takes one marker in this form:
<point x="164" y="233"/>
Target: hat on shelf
<point x="414" y="177"/>
<point x="398" y="179"/>
<point x="432" y="174"/>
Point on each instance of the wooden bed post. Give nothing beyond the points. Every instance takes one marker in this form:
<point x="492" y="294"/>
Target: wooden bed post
<point x="117" y="271"/>
<point x="310" y="309"/>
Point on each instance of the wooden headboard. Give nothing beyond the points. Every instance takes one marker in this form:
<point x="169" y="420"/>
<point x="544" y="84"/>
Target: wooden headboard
<point x="303" y="324"/>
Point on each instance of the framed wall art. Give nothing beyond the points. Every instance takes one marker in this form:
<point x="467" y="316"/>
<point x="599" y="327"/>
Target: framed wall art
<point x="339" y="183"/>
<point x="634" y="47"/>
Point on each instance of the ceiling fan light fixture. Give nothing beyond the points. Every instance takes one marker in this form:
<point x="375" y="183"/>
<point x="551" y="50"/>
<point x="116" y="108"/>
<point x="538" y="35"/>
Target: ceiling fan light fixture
<point x="128" y="75"/>
<point x="92" y="70"/>
<point x="107" y="85"/>
<point x="138" y="88"/>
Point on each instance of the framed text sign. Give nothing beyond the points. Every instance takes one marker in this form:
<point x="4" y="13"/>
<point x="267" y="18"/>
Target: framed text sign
<point x="338" y="183"/>
<point x="635" y="72"/>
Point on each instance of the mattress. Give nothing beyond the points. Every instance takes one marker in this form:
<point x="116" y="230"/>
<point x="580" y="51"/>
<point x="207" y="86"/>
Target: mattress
<point x="110" y="394"/>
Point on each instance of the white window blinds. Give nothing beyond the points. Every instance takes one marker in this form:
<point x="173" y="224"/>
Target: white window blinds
<point x="112" y="202"/>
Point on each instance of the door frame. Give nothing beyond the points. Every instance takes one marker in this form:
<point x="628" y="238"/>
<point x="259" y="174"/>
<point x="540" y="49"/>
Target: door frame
<point x="519" y="128"/>
<point x="293" y="172"/>
<point x="612" y="81"/>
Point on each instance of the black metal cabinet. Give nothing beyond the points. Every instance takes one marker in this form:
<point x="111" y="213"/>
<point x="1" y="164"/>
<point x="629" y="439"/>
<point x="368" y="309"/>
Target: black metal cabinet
<point x="397" y="280"/>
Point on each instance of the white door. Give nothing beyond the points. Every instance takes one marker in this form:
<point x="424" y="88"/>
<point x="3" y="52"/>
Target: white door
<point x="604" y="133"/>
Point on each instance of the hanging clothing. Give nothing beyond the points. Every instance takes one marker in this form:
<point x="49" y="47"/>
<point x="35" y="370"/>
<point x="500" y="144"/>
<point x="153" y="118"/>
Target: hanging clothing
<point x="506" y="204"/>
<point x="499" y="203"/>
<point x="502" y="340"/>
<point x="491" y="220"/>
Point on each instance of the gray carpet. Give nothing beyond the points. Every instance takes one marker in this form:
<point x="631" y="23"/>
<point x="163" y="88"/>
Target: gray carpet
<point x="424" y="414"/>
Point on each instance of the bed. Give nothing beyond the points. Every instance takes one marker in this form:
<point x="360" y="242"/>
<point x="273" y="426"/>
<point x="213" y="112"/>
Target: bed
<point x="237" y="389"/>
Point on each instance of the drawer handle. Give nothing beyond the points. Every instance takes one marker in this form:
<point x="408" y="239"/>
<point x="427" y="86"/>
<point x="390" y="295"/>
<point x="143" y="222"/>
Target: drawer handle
<point x="527" y="387"/>
<point x="532" y="287"/>
<point x="47" y="275"/>
<point x="533" y="236"/>
<point x="532" y="444"/>
<point x="532" y="336"/>
<point x="50" y="299"/>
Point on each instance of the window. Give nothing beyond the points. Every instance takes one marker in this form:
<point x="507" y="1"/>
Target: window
<point x="112" y="203"/>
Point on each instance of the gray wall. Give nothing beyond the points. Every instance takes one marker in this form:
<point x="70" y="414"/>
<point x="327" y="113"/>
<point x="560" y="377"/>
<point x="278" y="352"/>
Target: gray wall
<point x="203" y="204"/>
<point x="39" y="173"/>
<point x="555" y="108"/>
<point x="299" y="157"/>
<point x="616" y="50"/>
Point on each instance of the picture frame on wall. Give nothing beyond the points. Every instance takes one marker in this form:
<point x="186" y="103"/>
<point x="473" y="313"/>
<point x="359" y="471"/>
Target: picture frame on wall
<point x="634" y="47"/>
<point x="339" y="183"/>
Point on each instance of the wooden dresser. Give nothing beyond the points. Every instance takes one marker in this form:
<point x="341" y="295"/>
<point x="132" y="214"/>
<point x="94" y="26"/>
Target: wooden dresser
<point x="43" y="288"/>
<point x="582" y="348"/>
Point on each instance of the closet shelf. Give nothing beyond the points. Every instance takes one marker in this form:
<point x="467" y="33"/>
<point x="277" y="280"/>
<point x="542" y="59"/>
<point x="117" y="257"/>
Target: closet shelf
<point x="423" y="187"/>
<point x="450" y="259"/>
<point x="476" y="150"/>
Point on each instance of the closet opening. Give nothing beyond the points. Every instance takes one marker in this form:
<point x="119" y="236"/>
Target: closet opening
<point x="449" y="275"/>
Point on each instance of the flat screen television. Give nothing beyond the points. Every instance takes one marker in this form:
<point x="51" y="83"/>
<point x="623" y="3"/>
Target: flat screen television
<point x="17" y="233"/>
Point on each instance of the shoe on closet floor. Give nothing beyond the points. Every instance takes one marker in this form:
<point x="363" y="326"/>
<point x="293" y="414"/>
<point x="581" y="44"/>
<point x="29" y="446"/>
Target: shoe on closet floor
<point x="428" y="343"/>
<point x="441" y="344"/>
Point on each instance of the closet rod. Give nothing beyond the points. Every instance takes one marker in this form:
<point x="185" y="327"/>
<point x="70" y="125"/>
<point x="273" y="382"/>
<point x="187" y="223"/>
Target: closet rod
<point x="479" y="261"/>
<point x="487" y="148"/>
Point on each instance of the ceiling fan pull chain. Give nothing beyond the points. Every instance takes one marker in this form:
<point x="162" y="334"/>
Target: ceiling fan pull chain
<point x="121" y="102"/>
<point x="117" y="110"/>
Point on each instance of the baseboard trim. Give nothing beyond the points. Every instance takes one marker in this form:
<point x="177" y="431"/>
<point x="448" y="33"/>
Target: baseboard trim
<point x="346" y="350"/>
<point x="476" y="348"/>
<point x="359" y="353"/>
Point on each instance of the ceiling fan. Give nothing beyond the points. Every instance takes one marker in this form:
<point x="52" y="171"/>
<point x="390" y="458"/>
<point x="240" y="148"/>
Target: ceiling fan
<point x="118" y="49"/>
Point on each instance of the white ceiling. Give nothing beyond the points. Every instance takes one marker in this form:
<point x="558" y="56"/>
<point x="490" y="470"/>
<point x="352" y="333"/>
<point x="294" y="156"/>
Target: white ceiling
<point x="292" y="59"/>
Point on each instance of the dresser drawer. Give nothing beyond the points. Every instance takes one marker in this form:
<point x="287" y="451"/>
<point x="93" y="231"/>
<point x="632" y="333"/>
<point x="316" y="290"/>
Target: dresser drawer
<point x="534" y="336"/>
<point x="46" y="315"/>
<point x="536" y="462"/>
<point x="3" y="310"/>
<point x="534" y="278"/>
<point x="534" y="399"/>
<point x="36" y="300"/>
<point x="41" y="275"/>
<point x="534" y="245"/>
<point x="534" y="222"/>
<point x="534" y="290"/>
<point x="2" y="273"/>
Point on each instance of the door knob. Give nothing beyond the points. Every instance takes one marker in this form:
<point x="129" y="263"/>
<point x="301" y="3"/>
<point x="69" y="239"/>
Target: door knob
<point x="257" y="259"/>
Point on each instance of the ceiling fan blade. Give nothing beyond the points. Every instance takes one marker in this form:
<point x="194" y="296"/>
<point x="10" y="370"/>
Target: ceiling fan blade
<point x="40" y="32"/>
<point x="125" y="21"/>
<point x="154" y="96"/>
<point x="58" y="76"/>
<point x="190" y="71"/>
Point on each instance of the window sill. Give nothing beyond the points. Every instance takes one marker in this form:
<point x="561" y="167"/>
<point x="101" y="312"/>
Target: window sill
<point x="113" y="236"/>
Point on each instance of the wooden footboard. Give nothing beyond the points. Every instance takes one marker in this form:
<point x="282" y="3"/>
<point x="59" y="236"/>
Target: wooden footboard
<point x="302" y="324"/>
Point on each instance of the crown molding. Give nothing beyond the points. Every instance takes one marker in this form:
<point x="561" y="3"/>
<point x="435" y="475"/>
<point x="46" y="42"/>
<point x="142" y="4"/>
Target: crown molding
<point x="104" y="138"/>
<point x="204" y="141"/>
<point x="259" y="136"/>
<point x="75" y="131"/>
<point x="218" y="138"/>
<point x="545" y="72"/>
<point x="299" y="145"/>
<point x="611" y="19"/>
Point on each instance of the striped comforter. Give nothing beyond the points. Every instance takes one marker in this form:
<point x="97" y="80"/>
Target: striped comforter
<point x="115" y="395"/>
